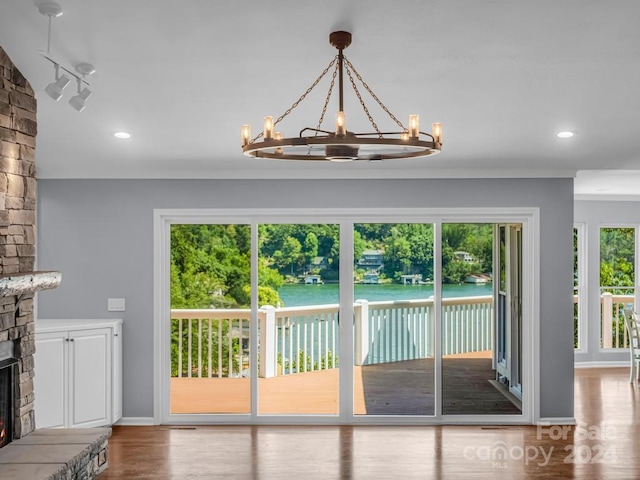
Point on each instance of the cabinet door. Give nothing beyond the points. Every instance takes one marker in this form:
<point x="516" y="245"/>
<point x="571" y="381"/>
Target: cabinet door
<point x="51" y="382"/>
<point x="90" y="377"/>
<point x="117" y="374"/>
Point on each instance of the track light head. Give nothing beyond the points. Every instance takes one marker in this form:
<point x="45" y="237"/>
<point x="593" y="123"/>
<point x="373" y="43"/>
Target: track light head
<point x="78" y="101"/>
<point x="54" y="89"/>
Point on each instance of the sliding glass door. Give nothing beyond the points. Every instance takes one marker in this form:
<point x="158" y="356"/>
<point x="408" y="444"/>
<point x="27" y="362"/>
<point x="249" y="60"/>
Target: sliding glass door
<point x="357" y="319"/>
<point x="210" y="319"/>
<point x="393" y="319"/>
<point x="298" y="328"/>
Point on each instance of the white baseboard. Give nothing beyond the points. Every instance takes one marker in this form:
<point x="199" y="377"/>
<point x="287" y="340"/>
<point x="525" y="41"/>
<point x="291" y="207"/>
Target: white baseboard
<point x="601" y="364"/>
<point x="546" y="421"/>
<point x="136" y="421"/>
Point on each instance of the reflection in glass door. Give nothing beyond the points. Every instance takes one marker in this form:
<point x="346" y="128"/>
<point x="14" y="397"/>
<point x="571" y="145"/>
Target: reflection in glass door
<point x="210" y="313"/>
<point x="393" y="319"/>
<point x="298" y="295"/>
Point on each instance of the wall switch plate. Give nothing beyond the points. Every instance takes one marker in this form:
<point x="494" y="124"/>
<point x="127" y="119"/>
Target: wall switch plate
<point x="115" y="304"/>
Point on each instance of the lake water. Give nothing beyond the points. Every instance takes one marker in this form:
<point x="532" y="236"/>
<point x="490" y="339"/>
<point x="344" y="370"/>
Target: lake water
<point x="300" y="294"/>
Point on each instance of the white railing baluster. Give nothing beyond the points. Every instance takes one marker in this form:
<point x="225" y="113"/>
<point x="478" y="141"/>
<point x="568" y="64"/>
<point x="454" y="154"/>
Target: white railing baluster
<point x="240" y="350"/>
<point x="219" y="348"/>
<point x="199" y="348"/>
<point x="313" y="324"/>
<point x="305" y="350"/>
<point x="180" y="347"/>
<point x="189" y="348"/>
<point x="326" y="341"/>
<point x="467" y="328"/>
<point x="290" y="338"/>
<point x="291" y="354"/>
<point x="209" y="351"/>
<point x="229" y="347"/>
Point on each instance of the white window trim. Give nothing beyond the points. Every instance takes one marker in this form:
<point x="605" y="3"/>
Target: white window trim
<point x="528" y="217"/>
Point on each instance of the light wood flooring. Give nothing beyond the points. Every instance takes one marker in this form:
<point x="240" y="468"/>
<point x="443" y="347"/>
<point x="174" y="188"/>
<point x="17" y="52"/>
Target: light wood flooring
<point x="397" y="388"/>
<point x="606" y="445"/>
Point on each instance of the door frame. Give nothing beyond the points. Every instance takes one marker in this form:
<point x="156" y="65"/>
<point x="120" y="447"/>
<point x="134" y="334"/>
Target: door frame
<point x="346" y="217"/>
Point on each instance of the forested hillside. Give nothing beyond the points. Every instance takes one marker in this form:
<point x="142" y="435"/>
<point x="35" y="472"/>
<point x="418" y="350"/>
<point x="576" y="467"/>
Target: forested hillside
<point x="211" y="264"/>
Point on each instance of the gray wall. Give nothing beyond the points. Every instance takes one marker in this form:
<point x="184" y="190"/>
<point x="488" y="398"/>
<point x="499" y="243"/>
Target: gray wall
<point x="595" y="214"/>
<point x="99" y="233"/>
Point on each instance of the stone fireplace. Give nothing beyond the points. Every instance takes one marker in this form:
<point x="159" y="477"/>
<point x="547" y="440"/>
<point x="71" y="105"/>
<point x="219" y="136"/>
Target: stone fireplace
<point x="18" y="128"/>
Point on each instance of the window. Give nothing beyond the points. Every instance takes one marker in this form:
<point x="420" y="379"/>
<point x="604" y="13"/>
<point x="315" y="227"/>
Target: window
<point x="617" y="282"/>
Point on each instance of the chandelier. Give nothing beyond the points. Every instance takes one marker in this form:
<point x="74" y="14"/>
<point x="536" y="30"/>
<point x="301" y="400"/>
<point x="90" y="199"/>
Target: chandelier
<point x="342" y="145"/>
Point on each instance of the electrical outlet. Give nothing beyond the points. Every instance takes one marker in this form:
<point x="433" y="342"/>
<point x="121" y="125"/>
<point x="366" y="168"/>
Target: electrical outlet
<point x="115" y="304"/>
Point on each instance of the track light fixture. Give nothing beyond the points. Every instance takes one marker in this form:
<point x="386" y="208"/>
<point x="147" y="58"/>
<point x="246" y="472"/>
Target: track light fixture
<point x="54" y="89"/>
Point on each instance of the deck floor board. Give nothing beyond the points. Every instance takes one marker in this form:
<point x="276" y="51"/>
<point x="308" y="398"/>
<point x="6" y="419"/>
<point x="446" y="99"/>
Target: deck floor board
<point x="397" y="388"/>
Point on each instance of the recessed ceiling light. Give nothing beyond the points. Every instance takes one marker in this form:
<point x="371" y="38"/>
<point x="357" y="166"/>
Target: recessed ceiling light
<point x="565" y="134"/>
<point x="121" y="134"/>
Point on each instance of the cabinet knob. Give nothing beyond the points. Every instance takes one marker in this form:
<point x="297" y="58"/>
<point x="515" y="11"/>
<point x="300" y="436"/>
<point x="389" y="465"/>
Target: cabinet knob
<point x="72" y="340"/>
<point x="115" y="334"/>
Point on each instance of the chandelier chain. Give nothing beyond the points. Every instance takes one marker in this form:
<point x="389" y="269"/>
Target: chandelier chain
<point x="326" y="101"/>
<point x="302" y="97"/>
<point x="375" y="97"/>
<point x="364" y="107"/>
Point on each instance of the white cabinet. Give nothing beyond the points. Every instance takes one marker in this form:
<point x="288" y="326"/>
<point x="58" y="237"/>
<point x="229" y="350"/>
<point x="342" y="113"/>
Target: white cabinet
<point x="78" y="367"/>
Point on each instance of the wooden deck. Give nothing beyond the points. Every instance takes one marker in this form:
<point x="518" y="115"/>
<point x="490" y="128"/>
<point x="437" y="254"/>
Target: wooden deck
<point x="398" y="388"/>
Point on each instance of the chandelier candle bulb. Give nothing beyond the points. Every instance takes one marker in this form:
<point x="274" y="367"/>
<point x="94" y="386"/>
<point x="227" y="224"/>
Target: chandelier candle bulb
<point x="414" y="126"/>
<point x="341" y="125"/>
<point x="246" y="134"/>
<point x="404" y="136"/>
<point x="278" y="136"/>
<point x="436" y="131"/>
<point x="267" y="133"/>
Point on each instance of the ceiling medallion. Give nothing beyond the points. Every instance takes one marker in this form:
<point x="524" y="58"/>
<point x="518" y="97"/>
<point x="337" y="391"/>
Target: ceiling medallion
<point x="342" y="145"/>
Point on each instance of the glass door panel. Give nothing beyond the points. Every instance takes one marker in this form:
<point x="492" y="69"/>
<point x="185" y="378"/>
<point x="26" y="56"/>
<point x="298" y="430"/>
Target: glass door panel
<point x="470" y="358"/>
<point x="617" y="283"/>
<point x="210" y="314"/>
<point x="393" y="319"/>
<point x="298" y="329"/>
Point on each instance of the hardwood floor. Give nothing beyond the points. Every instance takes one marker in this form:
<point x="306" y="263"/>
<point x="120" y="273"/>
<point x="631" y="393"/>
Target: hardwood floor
<point x="603" y="445"/>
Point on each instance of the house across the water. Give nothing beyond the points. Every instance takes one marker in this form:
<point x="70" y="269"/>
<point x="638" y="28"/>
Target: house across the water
<point x="413" y="279"/>
<point x="371" y="278"/>
<point x="312" y="280"/>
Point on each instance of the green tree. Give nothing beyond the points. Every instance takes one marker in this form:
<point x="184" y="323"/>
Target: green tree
<point x="617" y="257"/>
<point x="310" y="247"/>
<point x="397" y="255"/>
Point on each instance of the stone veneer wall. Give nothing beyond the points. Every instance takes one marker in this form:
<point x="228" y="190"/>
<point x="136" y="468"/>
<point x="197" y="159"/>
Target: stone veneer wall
<point x="18" y="129"/>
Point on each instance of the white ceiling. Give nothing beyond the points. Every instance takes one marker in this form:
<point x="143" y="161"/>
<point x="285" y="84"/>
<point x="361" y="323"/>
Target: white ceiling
<point x="503" y="76"/>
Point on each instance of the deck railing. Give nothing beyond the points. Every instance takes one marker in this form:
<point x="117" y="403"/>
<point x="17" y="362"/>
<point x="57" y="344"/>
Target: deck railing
<point x="215" y="342"/>
<point x="612" y="309"/>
